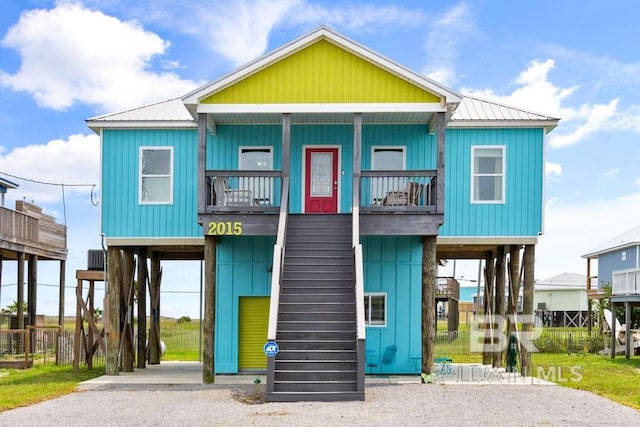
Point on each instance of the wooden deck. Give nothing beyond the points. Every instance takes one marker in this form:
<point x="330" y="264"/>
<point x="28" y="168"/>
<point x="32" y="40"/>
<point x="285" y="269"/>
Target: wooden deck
<point x="27" y="230"/>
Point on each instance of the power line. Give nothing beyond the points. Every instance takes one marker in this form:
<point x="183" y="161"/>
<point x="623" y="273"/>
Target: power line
<point x="47" y="183"/>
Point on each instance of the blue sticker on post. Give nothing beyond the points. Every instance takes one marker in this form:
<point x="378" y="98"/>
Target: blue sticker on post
<point x="271" y="348"/>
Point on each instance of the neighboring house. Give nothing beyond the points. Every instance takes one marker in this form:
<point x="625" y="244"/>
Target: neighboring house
<point x="362" y="172"/>
<point x="562" y="300"/>
<point x="619" y="267"/>
<point x="27" y="236"/>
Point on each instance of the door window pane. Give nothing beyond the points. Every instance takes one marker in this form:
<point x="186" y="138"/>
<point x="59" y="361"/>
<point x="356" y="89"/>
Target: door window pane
<point x="321" y="180"/>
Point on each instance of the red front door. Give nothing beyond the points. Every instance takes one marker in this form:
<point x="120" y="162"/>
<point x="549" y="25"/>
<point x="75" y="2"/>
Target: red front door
<point x="321" y="180"/>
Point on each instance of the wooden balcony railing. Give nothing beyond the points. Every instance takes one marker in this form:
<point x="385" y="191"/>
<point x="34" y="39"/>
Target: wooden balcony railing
<point x="27" y="226"/>
<point x="398" y="191"/>
<point x="18" y="227"/>
<point x="243" y="191"/>
<point x="447" y="287"/>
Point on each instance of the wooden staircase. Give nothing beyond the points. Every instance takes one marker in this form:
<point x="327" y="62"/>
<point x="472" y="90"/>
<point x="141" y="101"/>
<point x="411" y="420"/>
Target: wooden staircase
<point x="316" y="333"/>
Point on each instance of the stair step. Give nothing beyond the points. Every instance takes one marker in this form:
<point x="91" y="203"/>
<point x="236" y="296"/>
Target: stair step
<point x="316" y="365"/>
<point x="316" y="298"/>
<point x="316" y="355"/>
<point x="314" y="386"/>
<point x="315" y="275"/>
<point x="316" y="307"/>
<point x="317" y="344"/>
<point x="317" y="316"/>
<point x="315" y="336"/>
<point x="318" y="325"/>
<point x="336" y="396"/>
<point x="330" y="376"/>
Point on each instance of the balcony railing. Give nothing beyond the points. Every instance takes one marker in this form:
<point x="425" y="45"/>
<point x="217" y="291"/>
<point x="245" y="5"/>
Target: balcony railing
<point x="398" y="191"/>
<point x="18" y="227"/>
<point x="626" y="282"/>
<point x="381" y="192"/>
<point x="447" y="287"/>
<point x="245" y="191"/>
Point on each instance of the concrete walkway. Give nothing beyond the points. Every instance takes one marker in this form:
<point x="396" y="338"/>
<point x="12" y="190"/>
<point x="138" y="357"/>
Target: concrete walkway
<point x="191" y="373"/>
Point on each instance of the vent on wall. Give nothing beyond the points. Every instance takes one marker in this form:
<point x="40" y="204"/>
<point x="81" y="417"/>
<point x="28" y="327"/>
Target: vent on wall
<point x="95" y="259"/>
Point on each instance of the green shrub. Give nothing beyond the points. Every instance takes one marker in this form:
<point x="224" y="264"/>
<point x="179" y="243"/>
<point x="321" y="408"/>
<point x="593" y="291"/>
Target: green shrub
<point x="184" y="319"/>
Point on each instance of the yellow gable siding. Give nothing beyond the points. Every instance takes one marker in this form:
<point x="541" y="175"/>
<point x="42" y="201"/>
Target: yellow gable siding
<point x="321" y="73"/>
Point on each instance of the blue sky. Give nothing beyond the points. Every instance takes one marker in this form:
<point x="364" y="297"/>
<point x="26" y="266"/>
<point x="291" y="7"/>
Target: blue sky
<point x="64" y="61"/>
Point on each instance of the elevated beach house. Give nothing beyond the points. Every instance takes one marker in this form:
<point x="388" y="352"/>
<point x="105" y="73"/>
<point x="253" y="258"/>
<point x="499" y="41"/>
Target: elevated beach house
<point x="320" y="184"/>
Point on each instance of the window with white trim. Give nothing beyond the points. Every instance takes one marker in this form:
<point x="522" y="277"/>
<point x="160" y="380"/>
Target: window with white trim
<point x="375" y="309"/>
<point x="388" y="158"/>
<point x="156" y="175"/>
<point x="487" y="174"/>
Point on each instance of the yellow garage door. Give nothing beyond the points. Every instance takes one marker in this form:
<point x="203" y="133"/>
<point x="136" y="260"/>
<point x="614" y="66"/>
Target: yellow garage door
<point x="254" y="319"/>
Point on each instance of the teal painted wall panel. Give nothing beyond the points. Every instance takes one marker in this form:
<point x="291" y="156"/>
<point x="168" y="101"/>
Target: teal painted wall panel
<point x="521" y="214"/>
<point x="122" y="215"/>
<point x="393" y="265"/>
<point x="243" y="265"/>
<point x="223" y="148"/>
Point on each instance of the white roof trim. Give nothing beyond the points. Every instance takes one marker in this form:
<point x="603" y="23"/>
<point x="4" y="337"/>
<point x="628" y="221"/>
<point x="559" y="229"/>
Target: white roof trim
<point x="501" y="123"/>
<point x="321" y="108"/>
<point x="471" y="240"/>
<point x="155" y="241"/>
<point x="322" y="32"/>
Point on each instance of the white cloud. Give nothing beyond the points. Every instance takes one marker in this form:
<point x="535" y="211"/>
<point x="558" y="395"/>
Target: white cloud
<point x="552" y="169"/>
<point x="72" y="161"/>
<point x="611" y="173"/>
<point x="446" y="32"/>
<point x="535" y="92"/>
<point x="240" y="30"/>
<point x="72" y="55"/>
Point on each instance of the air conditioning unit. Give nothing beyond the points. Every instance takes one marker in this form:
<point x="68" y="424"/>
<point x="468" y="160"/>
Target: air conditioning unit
<point x="95" y="259"/>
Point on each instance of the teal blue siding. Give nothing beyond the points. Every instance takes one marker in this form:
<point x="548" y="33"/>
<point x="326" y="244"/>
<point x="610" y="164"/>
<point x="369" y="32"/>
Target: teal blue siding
<point x="393" y="265"/>
<point x="243" y="265"/>
<point x="122" y="215"/>
<point x="521" y="214"/>
<point x="223" y="148"/>
<point x="420" y="145"/>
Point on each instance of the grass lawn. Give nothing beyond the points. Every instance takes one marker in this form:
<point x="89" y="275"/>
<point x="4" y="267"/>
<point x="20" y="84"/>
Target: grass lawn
<point x="42" y="382"/>
<point x="616" y="379"/>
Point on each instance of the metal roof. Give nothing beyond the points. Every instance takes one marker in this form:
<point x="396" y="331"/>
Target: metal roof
<point x="170" y="113"/>
<point x="173" y="113"/>
<point x="624" y="240"/>
<point x="7" y="185"/>
<point x="475" y="111"/>
<point x="563" y="281"/>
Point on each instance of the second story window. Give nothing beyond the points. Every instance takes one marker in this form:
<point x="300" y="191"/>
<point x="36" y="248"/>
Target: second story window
<point x="390" y="158"/>
<point x="156" y="175"/>
<point x="257" y="159"/>
<point x="487" y="174"/>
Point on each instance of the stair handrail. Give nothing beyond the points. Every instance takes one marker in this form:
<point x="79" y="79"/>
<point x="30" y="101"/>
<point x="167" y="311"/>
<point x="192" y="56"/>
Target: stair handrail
<point x="359" y="273"/>
<point x="278" y="258"/>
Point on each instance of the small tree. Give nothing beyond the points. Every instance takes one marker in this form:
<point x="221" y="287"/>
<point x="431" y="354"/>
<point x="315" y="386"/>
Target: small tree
<point x="13" y="308"/>
<point x="184" y="319"/>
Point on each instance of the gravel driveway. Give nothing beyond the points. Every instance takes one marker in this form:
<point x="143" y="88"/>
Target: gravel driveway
<point x="388" y="404"/>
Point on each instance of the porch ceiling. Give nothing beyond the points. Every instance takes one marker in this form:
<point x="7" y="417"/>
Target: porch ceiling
<point x="378" y="118"/>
